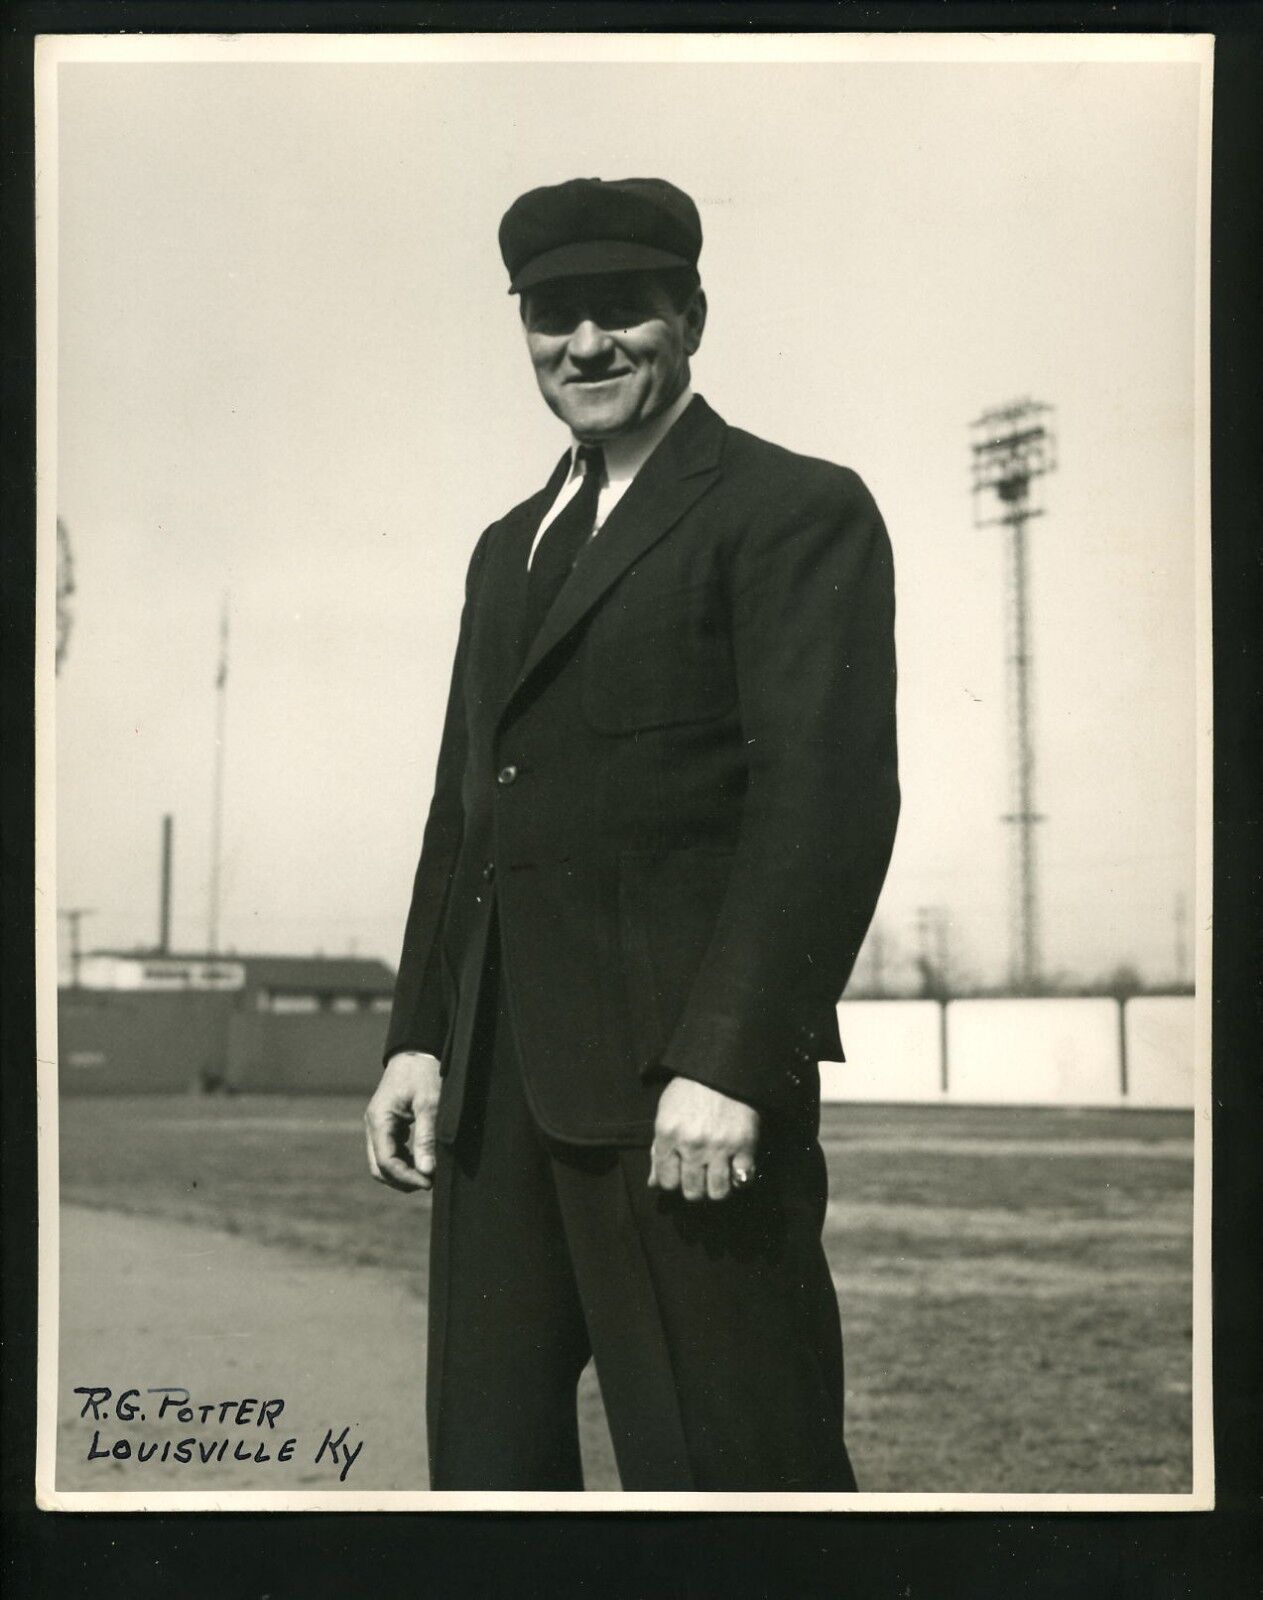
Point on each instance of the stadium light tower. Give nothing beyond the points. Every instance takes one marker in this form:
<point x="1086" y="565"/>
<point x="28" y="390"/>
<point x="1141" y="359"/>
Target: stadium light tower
<point x="1012" y="447"/>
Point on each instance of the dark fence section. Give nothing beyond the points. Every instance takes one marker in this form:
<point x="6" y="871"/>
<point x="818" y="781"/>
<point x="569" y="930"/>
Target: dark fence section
<point x="115" y="1041"/>
<point x="309" y="1053"/>
<point x="138" y="1043"/>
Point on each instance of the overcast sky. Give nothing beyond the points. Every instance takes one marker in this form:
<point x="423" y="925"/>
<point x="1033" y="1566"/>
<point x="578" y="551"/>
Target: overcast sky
<point x="289" y="370"/>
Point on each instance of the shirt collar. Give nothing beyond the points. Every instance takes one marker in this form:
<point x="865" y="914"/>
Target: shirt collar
<point x="625" y="455"/>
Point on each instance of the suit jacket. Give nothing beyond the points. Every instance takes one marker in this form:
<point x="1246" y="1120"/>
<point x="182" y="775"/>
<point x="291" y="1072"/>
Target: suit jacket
<point x="679" y="798"/>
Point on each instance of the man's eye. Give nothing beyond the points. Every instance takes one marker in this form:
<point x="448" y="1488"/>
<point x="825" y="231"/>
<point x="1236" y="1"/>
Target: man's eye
<point x="620" y="316"/>
<point x="613" y="316"/>
<point x="546" y="319"/>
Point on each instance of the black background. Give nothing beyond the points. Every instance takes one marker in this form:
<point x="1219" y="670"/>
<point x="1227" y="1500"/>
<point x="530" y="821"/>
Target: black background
<point x="894" y="1556"/>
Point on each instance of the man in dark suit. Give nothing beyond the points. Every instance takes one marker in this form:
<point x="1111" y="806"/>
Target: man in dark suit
<point x="664" y="805"/>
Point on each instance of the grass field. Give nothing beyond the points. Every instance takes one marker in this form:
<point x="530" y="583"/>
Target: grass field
<point x="1015" y="1284"/>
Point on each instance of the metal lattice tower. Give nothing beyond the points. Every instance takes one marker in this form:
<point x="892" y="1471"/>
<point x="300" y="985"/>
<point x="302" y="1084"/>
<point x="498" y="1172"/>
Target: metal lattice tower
<point x="1011" y="448"/>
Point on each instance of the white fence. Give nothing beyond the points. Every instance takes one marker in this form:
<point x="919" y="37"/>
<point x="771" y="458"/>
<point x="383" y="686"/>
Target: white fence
<point x="1061" y="1052"/>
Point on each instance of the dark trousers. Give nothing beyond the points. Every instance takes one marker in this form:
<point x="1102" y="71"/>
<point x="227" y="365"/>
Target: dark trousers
<point x="714" y="1326"/>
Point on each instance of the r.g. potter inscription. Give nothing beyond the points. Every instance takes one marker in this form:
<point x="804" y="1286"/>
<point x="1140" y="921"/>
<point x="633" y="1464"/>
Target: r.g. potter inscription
<point x="245" y="1430"/>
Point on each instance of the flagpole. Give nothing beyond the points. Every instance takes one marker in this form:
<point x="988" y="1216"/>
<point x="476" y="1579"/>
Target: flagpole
<point x="217" y="798"/>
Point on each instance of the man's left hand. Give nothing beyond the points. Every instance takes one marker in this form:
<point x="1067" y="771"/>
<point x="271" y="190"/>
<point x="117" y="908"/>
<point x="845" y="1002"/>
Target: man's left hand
<point x="701" y="1138"/>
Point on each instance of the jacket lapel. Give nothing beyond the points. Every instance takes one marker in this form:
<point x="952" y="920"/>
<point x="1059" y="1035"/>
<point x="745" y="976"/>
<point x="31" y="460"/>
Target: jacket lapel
<point x="678" y="473"/>
<point x="503" y="591"/>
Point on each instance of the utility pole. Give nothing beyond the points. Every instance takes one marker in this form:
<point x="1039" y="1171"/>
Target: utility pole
<point x="217" y="797"/>
<point x="924" y="964"/>
<point x="932" y="961"/>
<point x="877" y="961"/>
<point x="1011" y="448"/>
<point x="74" y="915"/>
<point x="942" y="958"/>
<point x="164" y="908"/>
<point x="1181" y="938"/>
<point x="933" y="957"/>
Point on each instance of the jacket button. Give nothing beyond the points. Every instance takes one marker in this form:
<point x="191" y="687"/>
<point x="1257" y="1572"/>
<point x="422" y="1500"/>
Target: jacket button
<point x="506" y="776"/>
<point x="489" y="872"/>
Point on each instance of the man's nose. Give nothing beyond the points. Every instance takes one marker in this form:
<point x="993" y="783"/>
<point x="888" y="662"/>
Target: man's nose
<point x="590" y="341"/>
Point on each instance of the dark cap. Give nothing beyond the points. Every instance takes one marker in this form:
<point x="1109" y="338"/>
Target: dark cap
<point x="568" y="230"/>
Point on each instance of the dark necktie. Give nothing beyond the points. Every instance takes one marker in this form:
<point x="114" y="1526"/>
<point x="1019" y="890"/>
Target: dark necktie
<point x="562" y="541"/>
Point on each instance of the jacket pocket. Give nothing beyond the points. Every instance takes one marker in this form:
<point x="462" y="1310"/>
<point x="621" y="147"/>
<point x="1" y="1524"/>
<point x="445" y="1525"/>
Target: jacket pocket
<point x="659" y="669"/>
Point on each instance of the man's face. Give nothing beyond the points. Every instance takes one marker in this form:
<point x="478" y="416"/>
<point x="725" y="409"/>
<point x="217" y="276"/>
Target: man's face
<point x="610" y="351"/>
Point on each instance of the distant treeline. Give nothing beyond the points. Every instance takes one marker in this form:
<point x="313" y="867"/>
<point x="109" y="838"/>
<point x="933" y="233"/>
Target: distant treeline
<point x="929" y="984"/>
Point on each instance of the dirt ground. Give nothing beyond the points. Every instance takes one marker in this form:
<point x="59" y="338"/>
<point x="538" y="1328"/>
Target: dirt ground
<point x="1015" y="1288"/>
<point x="150" y="1304"/>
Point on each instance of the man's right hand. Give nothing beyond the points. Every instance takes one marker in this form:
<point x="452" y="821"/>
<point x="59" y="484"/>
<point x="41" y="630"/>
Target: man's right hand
<point x="399" y="1122"/>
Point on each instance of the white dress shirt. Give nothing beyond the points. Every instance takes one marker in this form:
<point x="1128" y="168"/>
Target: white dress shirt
<point x="624" y="457"/>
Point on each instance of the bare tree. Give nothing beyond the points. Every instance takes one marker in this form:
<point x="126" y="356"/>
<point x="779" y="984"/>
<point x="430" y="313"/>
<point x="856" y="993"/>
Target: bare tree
<point x="65" y="588"/>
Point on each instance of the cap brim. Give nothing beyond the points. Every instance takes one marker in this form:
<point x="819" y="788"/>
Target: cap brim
<point x="589" y="256"/>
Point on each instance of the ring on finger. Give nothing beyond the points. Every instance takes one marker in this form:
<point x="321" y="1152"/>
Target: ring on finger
<point x="742" y="1176"/>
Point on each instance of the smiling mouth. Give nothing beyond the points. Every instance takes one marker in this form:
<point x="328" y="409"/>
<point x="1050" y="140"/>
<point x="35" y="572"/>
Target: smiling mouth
<point x="591" y="383"/>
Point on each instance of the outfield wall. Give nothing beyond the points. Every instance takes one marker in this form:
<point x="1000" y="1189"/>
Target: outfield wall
<point x="132" y="1042"/>
<point x="1160" y="1044"/>
<point x="314" y="1053"/>
<point x="1061" y="1051"/>
<point x="893" y="1052"/>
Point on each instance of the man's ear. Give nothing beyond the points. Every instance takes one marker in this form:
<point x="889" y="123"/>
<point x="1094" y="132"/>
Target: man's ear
<point x="695" y="321"/>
